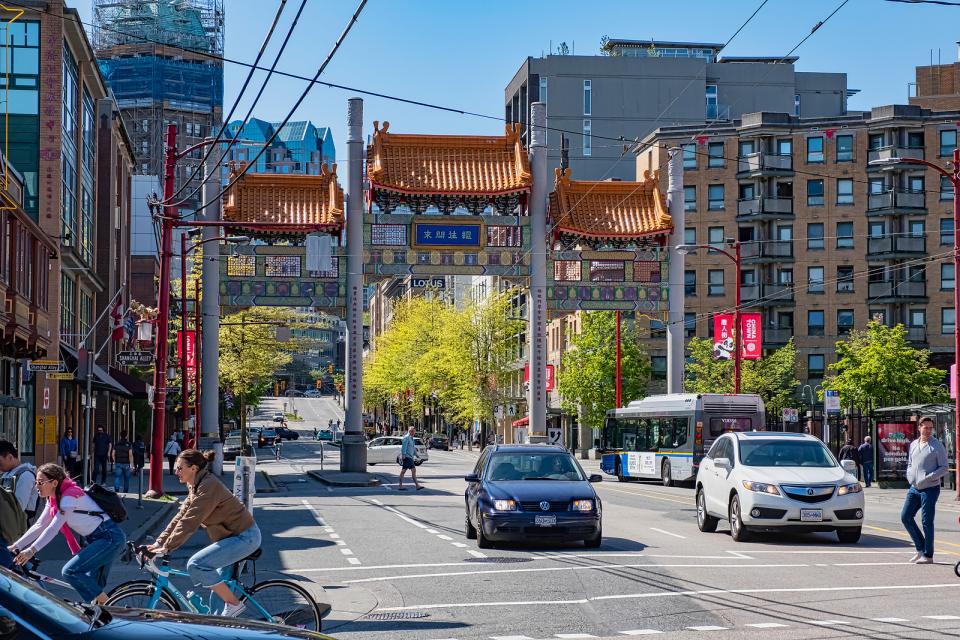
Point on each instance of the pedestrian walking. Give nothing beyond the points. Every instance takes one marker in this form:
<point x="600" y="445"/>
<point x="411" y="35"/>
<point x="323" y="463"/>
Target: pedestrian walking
<point x="102" y="448"/>
<point x="69" y="510"/>
<point x="139" y="454"/>
<point x="171" y="450"/>
<point x="122" y="461"/>
<point x="926" y="464"/>
<point x="68" y="452"/>
<point x="408" y="456"/>
<point x="850" y="452"/>
<point x="866" y="459"/>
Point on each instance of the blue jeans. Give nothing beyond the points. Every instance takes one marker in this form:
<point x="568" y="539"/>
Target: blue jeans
<point x="88" y="570"/>
<point x="121" y="471"/>
<point x="867" y="473"/>
<point x="917" y="499"/>
<point x="213" y="564"/>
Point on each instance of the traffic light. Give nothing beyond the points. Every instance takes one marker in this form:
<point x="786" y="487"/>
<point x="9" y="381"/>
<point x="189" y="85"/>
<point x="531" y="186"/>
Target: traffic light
<point x="319" y="384"/>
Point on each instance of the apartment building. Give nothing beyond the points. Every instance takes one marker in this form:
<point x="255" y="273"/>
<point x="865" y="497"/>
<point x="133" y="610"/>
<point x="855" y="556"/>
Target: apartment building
<point x="834" y="231"/>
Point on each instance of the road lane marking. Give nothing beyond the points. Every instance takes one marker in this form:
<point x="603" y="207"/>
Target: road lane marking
<point x="647" y="495"/>
<point x="433" y="531"/>
<point x="737" y="554"/>
<point x="510" y="638"/>
<point x="346" y="552"/>
<point x="943" y="617"/>
<point x="476" y="554"/>
<point x="767" y="625"/>
<point x="904" y="536"/>
<point x="828" y="623"/>
<point x="328" y="529"/>
<point x="889" y="619"/>
<point x="460" y="545"/>
<point x="353" y="560"/>
<point x="670" y="594"/>
<point x="574" y="635"/>
<point x="443" y="537"/>
<point x="640" y="632"/>
<point x="334" y="536"/>
<point x="707" y="627"/>
<point x="675" y="535"/>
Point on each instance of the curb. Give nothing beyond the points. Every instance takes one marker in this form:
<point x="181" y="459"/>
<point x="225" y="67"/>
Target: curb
<point x="151" y="523"/>
<point x="270" y="483"/>
<point x="373" y="482"/>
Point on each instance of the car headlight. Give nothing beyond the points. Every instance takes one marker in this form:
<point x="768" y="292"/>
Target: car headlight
<point x="849" y="488"/>
<point x="505" y="505"/>
<point x="761" y="487"/>
<point x="583" y="505"/>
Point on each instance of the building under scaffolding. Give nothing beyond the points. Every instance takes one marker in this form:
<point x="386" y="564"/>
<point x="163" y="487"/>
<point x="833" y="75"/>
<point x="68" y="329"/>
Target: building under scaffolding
<point x="162" y="61"/>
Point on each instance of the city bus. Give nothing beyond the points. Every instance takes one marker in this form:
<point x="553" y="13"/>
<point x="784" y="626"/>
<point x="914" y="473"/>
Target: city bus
<point x="664" y="437"/>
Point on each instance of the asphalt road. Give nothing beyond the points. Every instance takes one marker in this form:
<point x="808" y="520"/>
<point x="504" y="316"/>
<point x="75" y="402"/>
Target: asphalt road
<point x="397" y="565"/>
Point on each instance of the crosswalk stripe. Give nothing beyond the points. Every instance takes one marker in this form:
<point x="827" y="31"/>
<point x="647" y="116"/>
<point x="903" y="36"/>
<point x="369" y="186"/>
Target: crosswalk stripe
<point x="510" y="638"/>
<point x="767" y="625"/>
<point x="827" y="623"/>
<point x="889" y="619"/>
<point x="640" y="632"/>
<point x="707" y="628"/>
<point x="574" y="635"/>
<point x="943" y="617"/>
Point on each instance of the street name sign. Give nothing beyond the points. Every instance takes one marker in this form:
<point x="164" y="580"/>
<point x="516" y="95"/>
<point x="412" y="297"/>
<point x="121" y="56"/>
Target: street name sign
<point x="60" y="375"/>
<point x="45" y="365"/>
<point x="138" y="358"/>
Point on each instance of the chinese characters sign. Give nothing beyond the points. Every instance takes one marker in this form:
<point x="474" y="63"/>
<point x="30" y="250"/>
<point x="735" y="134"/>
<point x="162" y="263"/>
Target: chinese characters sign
<point x="191" y="350"/>
<point x="751" y="338"/>
<point x="751" y="342"/>
<point x="447" y="235"/>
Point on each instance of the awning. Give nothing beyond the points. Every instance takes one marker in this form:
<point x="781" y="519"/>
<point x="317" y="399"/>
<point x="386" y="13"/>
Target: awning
<point x="101" y="379"/>
<point x="522" y="422"/>
<point x="133" y="384"/>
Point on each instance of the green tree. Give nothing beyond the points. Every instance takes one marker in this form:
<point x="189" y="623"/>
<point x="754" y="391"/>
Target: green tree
<point x="876" y="366"/>
<point x="587" y="377"/>
<point x="772" y="377"/>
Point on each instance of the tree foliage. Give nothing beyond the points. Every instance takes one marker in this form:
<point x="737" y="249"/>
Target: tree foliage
<point x="250" y="351"/>
<point x="587" y="377"/>
<point x="772" y="377"/>
<point x="876" y="366"/>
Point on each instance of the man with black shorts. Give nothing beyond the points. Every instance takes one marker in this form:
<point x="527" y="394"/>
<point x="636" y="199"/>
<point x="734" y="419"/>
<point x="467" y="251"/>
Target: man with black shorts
<point x="408" y="456"/>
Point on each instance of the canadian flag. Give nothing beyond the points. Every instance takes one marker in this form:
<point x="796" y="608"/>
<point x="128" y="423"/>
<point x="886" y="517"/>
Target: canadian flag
<point x="117" y="333"/>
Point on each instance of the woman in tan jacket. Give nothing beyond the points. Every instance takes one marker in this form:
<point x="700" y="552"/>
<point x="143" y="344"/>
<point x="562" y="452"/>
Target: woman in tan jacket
<point x="229" y="525"/>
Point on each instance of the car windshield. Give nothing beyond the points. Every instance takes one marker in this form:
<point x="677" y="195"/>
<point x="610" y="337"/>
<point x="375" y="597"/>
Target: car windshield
<point x="232" y="442"/>
<point x="785" y="453"/>
<point x="31" y="602"/>
<point x="533" y="466"/>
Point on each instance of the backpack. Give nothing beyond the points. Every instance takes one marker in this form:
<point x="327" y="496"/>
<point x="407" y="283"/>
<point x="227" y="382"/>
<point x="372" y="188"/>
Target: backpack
<point x="109" y="503"/>
<point x="10" y="482"/>
<point x="13" y="519"/>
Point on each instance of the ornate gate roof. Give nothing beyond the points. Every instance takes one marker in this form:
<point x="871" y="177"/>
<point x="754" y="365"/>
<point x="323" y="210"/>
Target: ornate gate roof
<point x="609" y="209"/>
<point x="301" y="203"/>
<point x="448" y="165"/>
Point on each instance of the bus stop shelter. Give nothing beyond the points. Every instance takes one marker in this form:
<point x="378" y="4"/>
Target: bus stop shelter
<point x="894" y="428"/>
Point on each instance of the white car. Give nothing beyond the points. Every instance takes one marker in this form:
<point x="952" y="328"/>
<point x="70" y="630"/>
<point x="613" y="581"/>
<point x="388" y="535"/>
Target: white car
<point x="312" y="393"/>
<point x="767" y="481"/>
<point x="387" y="450"/>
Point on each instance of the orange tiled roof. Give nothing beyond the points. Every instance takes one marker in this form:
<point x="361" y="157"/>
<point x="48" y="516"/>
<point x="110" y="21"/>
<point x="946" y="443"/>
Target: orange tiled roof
<point x="452" y="165"/>
<point x="291" y="199"/>
<point x="609" y="209"/>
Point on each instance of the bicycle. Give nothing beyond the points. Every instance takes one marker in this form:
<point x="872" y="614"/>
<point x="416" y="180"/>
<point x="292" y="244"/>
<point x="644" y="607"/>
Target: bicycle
<point x="276" y="450"/>
<point x="277" y="601"/>
<point x="29" y="571"/>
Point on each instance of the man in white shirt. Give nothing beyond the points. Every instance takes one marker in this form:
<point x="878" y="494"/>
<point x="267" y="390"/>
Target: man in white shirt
<point x="19" y="477"/>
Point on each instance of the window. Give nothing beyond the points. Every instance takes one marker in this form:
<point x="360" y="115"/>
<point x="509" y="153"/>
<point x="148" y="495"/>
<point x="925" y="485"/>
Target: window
<point x="607" y="270"/>
<point x="844" y="191"/>
<point x="815" y="279"/>
<point x="690" y="235"/>
<point x="567" y="270"/>
<point x="815" y="235"/>
<point x="68" y="310"/>
<point x="785" y="147"/>
<point x="815" y="365"/>
<point x="815" y="149"/>
<point x="946" y="188"/>
<point x="715" y="157"/>
<point x="658" y="329"/>
<point x="715" y="282"/>
<point x="814" y="323"/>
<point x="690" y="198"/>
<point x="711" y="103"/>
<point x="915" y="184"/>
<point x="785" y="320"/>
<point x="917" y="228"/>
<point x="814" y="193"/>
<point x="948" y="142"/>
<point x="845" y="279"/>
<point x="844" y="235"/>
<point x="689" y="283"/>
<point x="876" y="186"/>
<point x="946" y="320"/>
<point x="875" y="141"/>
<point x="918" y="318"/>
<point x="877" y="229"/>
<point x="715" y="197"/>
<point x="747" y="147"/>
<point x="946" y="231"/>
<point x="715" y="237"/>
<point x="543" y="90"/>
<point x="658" y="367"/>
<point x="747" y="191"/>
<point x="748" y="278"/>
<point x="282" y="266"/>
<point x="587" y="98"/>
<point x="785" y="276"/>
<point x="689" y="324"/>
<point x="844" y="148"/>
<point x="689" y="156"/>
<point x="796" y="104"/>
<point x="785" y="232"/>
<point x="947" y="280"/>
<point x="915" y="139"/>
<point x="587" y="138"/>
<point x="498" y="236"/>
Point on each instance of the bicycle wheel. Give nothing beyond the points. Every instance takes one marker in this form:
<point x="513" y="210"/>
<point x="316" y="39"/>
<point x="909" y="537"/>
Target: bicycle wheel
<point x="285" y="603"/>
<point x="137" y="595"/>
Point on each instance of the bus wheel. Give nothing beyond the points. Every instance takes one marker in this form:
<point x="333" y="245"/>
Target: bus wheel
<point x="618" y="470"/>
<point x="665" y="473"/>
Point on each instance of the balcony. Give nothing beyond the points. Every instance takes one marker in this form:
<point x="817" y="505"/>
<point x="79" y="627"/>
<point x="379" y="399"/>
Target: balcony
<point x="917" y="335"/>
<point x="894" y="202"/>
<point x="892" y="151"/>
<point x="892" y="291"/>
<point x="756" y="165"/>
<point x="768" y="294"/>
<point x="754" y="209"/>
<point x="777" y="336"/>
<point x="893" y="247"/>
<point x="767" y="251"/>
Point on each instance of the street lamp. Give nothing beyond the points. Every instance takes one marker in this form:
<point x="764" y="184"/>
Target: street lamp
<point x="954" y="177"/>
<point x="684" y="249"/>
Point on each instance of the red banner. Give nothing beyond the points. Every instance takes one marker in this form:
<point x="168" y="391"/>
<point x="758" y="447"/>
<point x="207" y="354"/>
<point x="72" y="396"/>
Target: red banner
<point x="549" y="376"/>
<point x="191" y="350"/>
<point x="751" y="336"/>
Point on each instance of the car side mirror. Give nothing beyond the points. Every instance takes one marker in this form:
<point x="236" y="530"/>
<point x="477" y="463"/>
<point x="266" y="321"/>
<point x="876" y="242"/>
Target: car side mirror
<point x="472" y="477"/>
<point x="596" y="477"/>
<point x="850" y="466"/>
<point x="722" y="463"/>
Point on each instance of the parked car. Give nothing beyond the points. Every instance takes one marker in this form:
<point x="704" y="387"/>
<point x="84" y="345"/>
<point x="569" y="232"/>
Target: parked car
<point x="287" y="434"/>
<point x="312" y="393"/>
<point x="770" y="481"/>
<point x="27" y="612"/>
<point x="232" y="448"/>
<point x="278" y="416"/>
<point x="267" y="438"/>
<point x="292" y="393"/>
<point x="531" y="492"/>
<point x="325" y="434"/>
<point x="438" y="441"/>
<point x="387" y="450"/>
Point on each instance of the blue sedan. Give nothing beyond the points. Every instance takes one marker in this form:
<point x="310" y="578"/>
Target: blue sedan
<point x="531" y="493"/>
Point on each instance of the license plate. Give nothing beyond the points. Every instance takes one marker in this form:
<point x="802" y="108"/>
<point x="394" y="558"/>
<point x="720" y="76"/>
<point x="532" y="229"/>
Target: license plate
<point x="545" y="521"/>
<point x="811" y="515"/>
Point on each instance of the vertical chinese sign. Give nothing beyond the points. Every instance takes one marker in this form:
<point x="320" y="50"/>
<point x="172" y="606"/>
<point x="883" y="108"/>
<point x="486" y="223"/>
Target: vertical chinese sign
<point x="751" y="336"/>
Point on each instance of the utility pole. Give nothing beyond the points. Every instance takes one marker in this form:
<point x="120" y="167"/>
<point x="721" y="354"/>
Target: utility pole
<point x="675" y="271"/>
<point x="210" y="324"/>
<point x="537" y="308"/>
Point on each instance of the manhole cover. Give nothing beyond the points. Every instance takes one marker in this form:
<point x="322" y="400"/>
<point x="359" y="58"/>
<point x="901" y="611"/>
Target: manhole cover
<point x="399" y="615"/>
<point x="503" y="560"/>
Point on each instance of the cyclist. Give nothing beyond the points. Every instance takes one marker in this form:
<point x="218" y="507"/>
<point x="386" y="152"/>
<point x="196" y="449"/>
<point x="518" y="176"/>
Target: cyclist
<point x="231" y="528"/>
<point x="69" y="508"/>
<point x="277" y="443"/>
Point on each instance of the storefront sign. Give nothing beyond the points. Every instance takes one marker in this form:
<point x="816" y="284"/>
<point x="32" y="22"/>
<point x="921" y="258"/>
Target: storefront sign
<point x="447" y="235"/>
<point x="893" y="448"/>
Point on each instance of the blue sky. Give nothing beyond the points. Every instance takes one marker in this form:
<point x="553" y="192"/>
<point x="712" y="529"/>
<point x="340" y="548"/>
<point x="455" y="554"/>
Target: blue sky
<point x="462" y="54"/>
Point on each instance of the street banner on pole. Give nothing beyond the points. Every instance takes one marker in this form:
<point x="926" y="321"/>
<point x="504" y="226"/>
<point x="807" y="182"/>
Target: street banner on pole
<point x="723" y="336"/>
<point x="191" y="349"/>
<point x="549" y="376"/>
<point x="751" y="337"/>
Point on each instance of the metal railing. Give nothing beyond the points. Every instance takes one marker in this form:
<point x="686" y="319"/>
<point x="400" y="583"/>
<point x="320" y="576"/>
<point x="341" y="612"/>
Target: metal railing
<point x="897" y="289"/>
<point x="894" y="151"/>
<point x="753" y="162"/>
<point x="757" y="206"/>
<point x="767" y="249"/>
<point x="892" y="199"/>
<point x="896" y="244"/>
